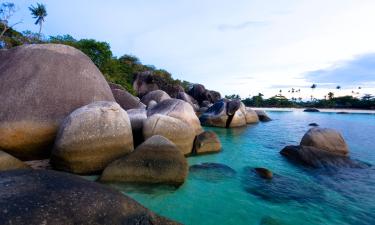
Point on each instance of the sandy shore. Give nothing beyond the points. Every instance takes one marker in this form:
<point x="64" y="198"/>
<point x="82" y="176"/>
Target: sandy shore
<point x="321" y="110"/>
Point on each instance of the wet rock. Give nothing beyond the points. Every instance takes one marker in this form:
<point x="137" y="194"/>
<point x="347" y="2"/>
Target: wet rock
<point x="326" y="139"/>
<point x="178" y="109"/>
<point x="250" y="115"/>
<point x="91" y="137"/>
<point x="264" y="173"/>
<point x="318" y="158"/>
<point x="40" y="85"/>
<point x="137" y="117"/>
<point x="156" y="161"/>
<point x="50" y="197"/>
<point x="311" y="110"/>
<point x="126" y="100"/>
<point x="8" y="162"/>
<point x="157" y="96"/>
<point x="206" y="142"/>
<point x="175" y="130"/>
<point x="211" y="172"/>
<point x="262" y="115"/>
<point x="313" y="124"/>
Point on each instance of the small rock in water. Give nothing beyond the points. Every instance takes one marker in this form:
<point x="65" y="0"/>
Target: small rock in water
<point x="212" y="172"/>
<point x="264" y="173"/>
<point x="313" y="124"/>
<point x="311" y="110"/>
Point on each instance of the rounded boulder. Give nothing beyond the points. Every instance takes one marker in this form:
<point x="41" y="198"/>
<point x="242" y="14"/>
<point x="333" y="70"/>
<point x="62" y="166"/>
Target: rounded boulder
<point x="91" y="137"/>
<point x="175" y="130"/>
<point x="156" y="161"/>
<point x="40" y="85"/>
<point x="37" y="197"/>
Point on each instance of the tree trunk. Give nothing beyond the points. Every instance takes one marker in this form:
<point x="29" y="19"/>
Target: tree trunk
<point x="40" y="30"/>
<point x="3" y="32"/>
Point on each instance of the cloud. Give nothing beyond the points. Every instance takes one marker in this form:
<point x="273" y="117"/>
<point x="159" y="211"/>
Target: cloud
<point x="354" y="72"/>
<point x="241" y="26"/>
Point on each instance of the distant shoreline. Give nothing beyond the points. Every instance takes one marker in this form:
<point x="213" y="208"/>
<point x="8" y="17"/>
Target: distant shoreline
<point x="328" y="110"/>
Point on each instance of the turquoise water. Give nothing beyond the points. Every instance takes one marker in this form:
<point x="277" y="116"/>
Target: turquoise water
<point x="296" y="195"/>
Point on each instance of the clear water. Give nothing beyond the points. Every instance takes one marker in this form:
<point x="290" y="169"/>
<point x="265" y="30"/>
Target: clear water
<point x="296" y="195"/>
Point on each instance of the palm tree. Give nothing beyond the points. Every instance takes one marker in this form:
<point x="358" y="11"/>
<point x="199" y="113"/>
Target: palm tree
<point x="312" y="88"/>
<point x="39" y="13"/>
<point x="330" y="95"/>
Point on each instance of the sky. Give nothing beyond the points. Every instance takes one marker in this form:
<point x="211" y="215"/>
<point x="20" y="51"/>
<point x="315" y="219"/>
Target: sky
<point x="236" y="47"/>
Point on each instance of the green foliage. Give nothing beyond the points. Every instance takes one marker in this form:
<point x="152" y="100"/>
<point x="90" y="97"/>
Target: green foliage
<point x="233" y="96"/>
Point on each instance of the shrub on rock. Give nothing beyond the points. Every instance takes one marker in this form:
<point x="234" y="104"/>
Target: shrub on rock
<point x="156" y="161"/>
<point x="36" y="197"/>
<point x="175" y="130"/>
<point x="39" y="86"/>
<point x="91" y="137"/>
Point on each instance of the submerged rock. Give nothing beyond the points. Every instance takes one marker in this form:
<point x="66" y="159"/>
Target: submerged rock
<point x="326" y="139"/>
<point x="262" y="115"/>
<point x="311" y="110"/>
<point x="175" y="130"/>
<point x="212" y="172"/>
<point x="206" y="142"/>
<point x="318" y="158"/>
<point x="8" y="162"/>
<point x="91" y="137"/>
<point x="313" y="124"/>
<point x="48" y="197"/>
<point x="264" y="173"/>
<point x="156" y="161"/>
<point x="280" y="189"/>
<point x="40" y="85"/>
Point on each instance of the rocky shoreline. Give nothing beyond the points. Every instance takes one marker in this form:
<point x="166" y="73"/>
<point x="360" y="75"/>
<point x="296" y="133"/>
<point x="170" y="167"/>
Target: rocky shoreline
<point x="59" y="113"/>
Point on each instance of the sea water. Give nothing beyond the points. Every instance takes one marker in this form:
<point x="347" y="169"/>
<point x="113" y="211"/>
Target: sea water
<point x="297" y="195"/>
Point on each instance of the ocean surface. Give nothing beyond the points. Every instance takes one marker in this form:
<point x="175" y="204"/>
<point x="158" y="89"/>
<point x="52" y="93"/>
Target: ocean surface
<point x="232" y="194"/>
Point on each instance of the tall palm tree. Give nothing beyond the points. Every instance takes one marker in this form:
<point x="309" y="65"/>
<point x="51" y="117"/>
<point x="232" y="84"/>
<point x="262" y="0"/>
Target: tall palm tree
<point x="39" y="13"/>
<point x="312" y="88"/>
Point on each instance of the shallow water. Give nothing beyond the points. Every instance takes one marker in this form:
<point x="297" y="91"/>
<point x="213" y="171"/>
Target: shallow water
<point x="296" y="195"/>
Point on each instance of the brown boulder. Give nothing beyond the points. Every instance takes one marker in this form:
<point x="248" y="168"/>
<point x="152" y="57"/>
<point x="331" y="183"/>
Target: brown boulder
<point x="8" y="162"/>
<point x="157" y="96"/>
<point x="127" y="100"/>
<point x="91" y="137"/>
<point x="156" y="161"/>
<point x="39" y="86"/>
<point x="206" y="142"/>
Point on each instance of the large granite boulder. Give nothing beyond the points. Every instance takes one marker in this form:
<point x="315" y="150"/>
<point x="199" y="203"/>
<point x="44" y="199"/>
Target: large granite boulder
<point x="148" y="81"/>
<point x="91" y="137"/>
<point x="187" y="98"/>
<point x="127" y="100"/>
<point x="114" y="86"/>
<point x="157" y="96"/>
<point x="179" y="132"/>
<point x="321" y="147"/>
<point x="224" y="113"/>
<point x="156" y="161"/>
<point x="262" y="115"/>
<point x="137" y="118"/>
<point x="251" y="116"/>
<point x="37" y="197"/>
<point x="178" y="109"/>
<point x="201" y="94"/>
<point x="326" y="139"/>
<point x="39" y="86"/>
<point x="8" y="162"/>
<point x="206" y="142"/>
